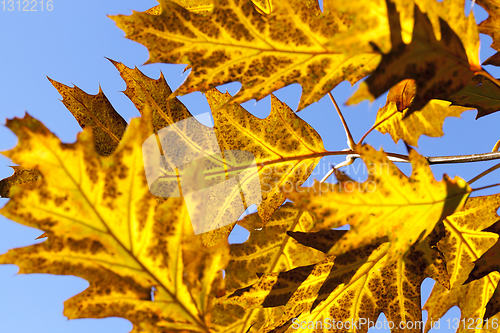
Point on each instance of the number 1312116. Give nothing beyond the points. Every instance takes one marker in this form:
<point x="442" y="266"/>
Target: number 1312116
<point x="27" y="5"/>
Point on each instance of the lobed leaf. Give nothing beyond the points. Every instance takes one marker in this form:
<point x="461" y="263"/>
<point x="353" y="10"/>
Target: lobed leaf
<point x="105" y="226"/>
<point x="388" y="204"/>
<point x="294" y="43"/>
<point x="359" y="284"/>
<point x="439" y="67"/>
<point x="285" y="147"/>
<point x="96" y="111"/>
<point x="464" y="242"/>
<point x="393" y="118"/>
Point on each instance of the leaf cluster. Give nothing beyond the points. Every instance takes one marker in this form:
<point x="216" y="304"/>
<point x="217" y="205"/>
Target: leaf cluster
<point x="134" y="241"/>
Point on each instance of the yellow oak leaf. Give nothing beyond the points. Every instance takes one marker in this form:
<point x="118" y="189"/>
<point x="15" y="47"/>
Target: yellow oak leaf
<point x="439" y="67"/>
<point x="352" y="288"/>
<point x="285" y="147"/>
<point x="269" y="248"/>
<point x="464" y="242"/>
<point x="393" y="118"/>
<point x="233" y="318"/>
<point x="21" y="176"/>
<point x="389" y="204"/>
<point x="156" y="95"/>
<point x="96" y="111"/>
<point x="105" y="226"/>
<point x="294" y="43"/>
<point x="490" y="25"/>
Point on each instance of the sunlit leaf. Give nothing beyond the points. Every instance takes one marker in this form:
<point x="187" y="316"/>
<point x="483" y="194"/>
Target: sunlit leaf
<point x="96" y="111"/>
<point x="465" y="242"/>
<point x="105" y="226"/>
<point x="285" y="147"/>
<point x="393" y="118"/>
<point x="387" y="204"/>
<point x="354" y="287"/>
<point x="294" y="43"/>
<point x="439" y="67"/>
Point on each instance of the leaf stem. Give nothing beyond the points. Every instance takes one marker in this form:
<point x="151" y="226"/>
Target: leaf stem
<point x="375" y="126"/>
<point x="497" y="146"/>
<point x="350" y="140"/>
<point x="484" y="173"/>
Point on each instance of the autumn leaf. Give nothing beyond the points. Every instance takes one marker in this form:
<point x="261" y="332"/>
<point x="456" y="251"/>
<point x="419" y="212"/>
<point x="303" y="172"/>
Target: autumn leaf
<point x="489" y="262"/>
<point x="21" y="176"/>
<point x="295" y="43"/>
<point x="269" y="248"/>
<point x="388" y="204"/>
<point x="96" y="111"/>
<point x="356" y="285"/>
<point x="393" y="118"/>
<point x="156" y="95"/>
<point x="481" y="94"/>
<point x="285" y="147"/>
<point x="167" y="110"/>
<point x="105" y="226"/>
<point x="464" y="242"/>
<point x="439" y="67"/>
<point x="490" y="25"/>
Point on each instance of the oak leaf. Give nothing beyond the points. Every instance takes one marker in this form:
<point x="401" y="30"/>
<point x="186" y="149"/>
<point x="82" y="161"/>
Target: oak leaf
<point x="96" y="111"/>
<point x="156" y="95"/>
<point x="388" y="204"/>
<point x="295" y="43"/>
<point x="393" y="118"/>
<point x="269" y="248"/>
<point x="105" y="226"/>
<point x="466" y="241"/>
<point x="489" y="262"/>
<point x="285" y="147"/>
<point x="353" y="287"/>
<point x="439" y="67"/>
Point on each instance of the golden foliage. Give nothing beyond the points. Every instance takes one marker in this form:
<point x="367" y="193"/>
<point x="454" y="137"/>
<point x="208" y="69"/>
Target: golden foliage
<point x="105" y="226"/>
<point x="464" y="243"/>
<point x="388" y="204"/>
<point x="393" y="118"/>
<point x="285" y="147"/>
<point x="135" y="242"/>
<point x="294" y="43"/>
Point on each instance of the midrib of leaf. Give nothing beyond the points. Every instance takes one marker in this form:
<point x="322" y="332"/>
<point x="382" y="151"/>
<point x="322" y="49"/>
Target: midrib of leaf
<point x="272" y="266"/>
<point x="285" y="241"/>
<point x="108" y="231"/>
<point x="464" y="241"/>
<point x="299" y="23"/>
<point x="166" y="35"/>
<point x="357" y="267"/>
<point x="97" y="121"/>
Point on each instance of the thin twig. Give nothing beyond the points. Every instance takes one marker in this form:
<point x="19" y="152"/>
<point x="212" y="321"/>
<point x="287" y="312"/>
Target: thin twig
<point x="350" y="140"/>
<point x="464" y="158"/>
<point x="485" y="187"/>
<point x="484" y="173"/>
<point x="375" y="126"/>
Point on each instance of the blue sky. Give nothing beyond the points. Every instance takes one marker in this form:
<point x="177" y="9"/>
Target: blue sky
<point x="69" y="44"/>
